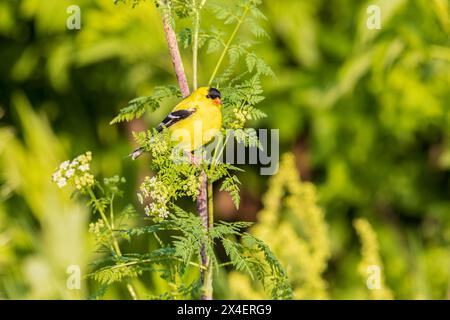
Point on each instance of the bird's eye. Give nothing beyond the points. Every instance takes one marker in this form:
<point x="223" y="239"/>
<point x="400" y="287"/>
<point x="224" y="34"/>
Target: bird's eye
<point x="213" y="93"/>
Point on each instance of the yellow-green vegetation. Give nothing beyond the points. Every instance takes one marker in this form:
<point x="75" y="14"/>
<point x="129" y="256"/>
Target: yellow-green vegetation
<point x="294" y="227"/>
<point x="364" y="112"/>
<point x="37" y="247"/>
<point x="371" y="258"/>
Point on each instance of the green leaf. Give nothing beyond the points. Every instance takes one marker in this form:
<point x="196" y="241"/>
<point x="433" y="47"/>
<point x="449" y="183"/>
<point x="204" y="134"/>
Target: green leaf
<point x="224" y="229"/>
<point x="231" y="185"/>
<point x="235" y="252"/>
<point x="234" y="54"/>
<point x="213" y="46"/>
<point x="137" y="107"/>
<point x="185" y="37"/>
<point x="250" y="60"/>
<point x="248" y="137"/>
<point x="256" y="29"/>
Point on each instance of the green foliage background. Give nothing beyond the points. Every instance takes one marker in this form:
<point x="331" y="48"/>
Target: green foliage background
<point x="365" y="112"/>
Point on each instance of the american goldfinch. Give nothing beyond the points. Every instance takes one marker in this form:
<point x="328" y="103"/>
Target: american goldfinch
<point x="194" y="121"/>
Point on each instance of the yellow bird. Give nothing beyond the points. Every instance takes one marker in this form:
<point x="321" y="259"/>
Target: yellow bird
<point x="194" y="121"/>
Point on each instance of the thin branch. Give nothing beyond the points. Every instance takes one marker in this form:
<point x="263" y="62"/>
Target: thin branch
<point x="202" y="207"/>
<point x="132" y="291"/>
<point x="196" y="26"/>
<point x="210" y="205"/>
<point x="195" y="46"/>
<point x="207" y="293"/>
<point x="227" y="46"/>
<point x="144" y="261"/>
<point x="98" y="207"/>
<point x="115" y="246"/>
<point x="174" y="51"/>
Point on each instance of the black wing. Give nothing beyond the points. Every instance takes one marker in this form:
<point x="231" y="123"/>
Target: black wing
<point x="174" y="117"/>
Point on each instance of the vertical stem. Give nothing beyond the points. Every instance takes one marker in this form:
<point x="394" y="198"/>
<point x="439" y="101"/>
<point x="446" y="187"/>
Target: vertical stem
<point x="111" y="211"/>
<point x="174" y="51"/>
<point x="105" y="219"/>
<point x="196" y="26"/>
<point x="115" y="245"/>
<point x="207" y="290"/>
<point x="210" y="205"/>
<point x="202" y="208"/>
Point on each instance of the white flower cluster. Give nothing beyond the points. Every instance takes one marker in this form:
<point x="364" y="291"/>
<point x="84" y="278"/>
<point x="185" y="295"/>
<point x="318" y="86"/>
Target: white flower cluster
<point x="76" y="172"/>
<point x="158" y="192"/>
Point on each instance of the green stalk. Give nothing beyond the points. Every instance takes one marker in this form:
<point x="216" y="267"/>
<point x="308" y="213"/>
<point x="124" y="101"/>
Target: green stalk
<point x="227" y="45"/>
<point x="216" y="157"/>
<point x="111" y="211"/>
<point x="132" y="291"/>
<point x="208" y="284"/>
<point x="105" y="219"/>
<point x="115" y="243"/>
<point x="196" y="26"/>
<point x="133" y="263"/>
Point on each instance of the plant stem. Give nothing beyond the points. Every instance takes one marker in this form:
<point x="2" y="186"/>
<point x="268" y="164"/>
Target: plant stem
<point x="227" y="45"/>
<point x="105" y="219"/>
<point x="174" y="51"/>
<point x="115" y="245"/>
<point x="202" y="208"/>
<point x="184" y="87"/>
<point x="221" y="145"/>
<point x="111" y="211"/>
<point x="133" y="263"/>
<point x="210" y="205"/>
<point x="132" y="291"/>
<point x="207" y="292"/>
<point x="196" y="26"/>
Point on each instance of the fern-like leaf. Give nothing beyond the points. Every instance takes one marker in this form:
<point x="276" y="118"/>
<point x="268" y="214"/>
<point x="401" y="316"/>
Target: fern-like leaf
<point x="234" y="251"/>
<point x="137" y="107"/>
<point x="231" y="185"/>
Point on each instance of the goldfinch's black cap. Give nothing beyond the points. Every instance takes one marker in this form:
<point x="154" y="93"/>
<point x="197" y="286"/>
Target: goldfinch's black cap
<point x="213" y="93"/>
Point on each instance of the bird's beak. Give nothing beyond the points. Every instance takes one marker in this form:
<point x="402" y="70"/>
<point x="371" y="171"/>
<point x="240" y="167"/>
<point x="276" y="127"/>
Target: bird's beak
<point x="217" y="101"/>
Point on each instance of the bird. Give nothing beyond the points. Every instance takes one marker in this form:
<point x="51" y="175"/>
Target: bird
<point x="194" y="121"/>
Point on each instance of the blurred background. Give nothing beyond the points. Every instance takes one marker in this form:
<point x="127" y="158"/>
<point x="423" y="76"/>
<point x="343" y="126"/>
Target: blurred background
<point x="365" y="114"/>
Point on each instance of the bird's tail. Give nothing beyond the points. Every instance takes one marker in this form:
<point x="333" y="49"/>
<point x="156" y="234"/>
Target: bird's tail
<point x="136" y="153"/>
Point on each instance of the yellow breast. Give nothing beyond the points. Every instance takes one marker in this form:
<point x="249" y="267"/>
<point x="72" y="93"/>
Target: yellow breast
<point x="198" y="129"/>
